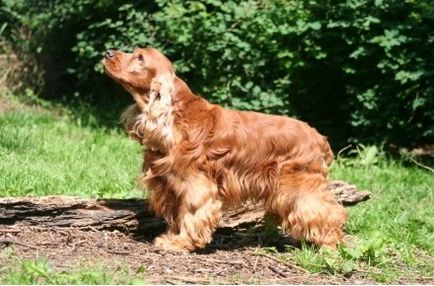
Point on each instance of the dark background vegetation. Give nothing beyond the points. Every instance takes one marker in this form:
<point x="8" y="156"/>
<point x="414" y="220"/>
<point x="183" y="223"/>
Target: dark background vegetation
<point x="358" y="70"/>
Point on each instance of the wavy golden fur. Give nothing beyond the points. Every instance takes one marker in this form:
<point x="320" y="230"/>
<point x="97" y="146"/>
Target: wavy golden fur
<point x="202" y="158"/>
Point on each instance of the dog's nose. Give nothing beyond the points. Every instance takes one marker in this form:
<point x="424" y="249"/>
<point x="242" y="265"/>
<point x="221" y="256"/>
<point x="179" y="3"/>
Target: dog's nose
<point x="109" y="54"/>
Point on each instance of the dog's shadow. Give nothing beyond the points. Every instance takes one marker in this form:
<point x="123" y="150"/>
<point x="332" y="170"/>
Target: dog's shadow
<point x="142" y="225"/>
<point x="249" y="235"/>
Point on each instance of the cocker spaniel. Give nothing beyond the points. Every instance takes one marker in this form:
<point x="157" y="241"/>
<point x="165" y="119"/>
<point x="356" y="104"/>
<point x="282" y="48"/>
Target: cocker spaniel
<point x="201" y="158"/>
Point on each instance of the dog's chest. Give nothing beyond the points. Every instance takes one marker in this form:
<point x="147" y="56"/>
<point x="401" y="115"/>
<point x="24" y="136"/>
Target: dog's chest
<point x="156" y="132"/>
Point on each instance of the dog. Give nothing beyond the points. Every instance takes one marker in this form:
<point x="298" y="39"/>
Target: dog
<point x="201" y="159"/>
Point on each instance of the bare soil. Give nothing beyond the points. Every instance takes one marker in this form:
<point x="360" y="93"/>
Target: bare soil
<point x="234" y="257"/>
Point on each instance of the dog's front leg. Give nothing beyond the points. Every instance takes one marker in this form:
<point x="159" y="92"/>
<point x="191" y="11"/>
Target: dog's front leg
<point x="199" y="213"/>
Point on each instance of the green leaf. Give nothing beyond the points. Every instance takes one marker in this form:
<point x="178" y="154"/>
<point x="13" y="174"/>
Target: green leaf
<point x="315" y="25"/>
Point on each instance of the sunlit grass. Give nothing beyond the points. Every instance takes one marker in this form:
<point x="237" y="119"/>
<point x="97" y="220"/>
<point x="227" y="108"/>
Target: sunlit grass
<point x="46" y="154"/>
<point x="40" y="271"/>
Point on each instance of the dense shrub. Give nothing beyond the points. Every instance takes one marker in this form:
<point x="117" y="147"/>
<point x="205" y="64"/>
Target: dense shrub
<point x="356" y="69"/>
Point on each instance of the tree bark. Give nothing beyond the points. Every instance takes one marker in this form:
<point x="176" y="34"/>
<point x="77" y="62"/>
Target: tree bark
<point x="128" y="216"/>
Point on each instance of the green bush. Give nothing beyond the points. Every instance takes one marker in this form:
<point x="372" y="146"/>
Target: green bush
<point x="358" y="70"/>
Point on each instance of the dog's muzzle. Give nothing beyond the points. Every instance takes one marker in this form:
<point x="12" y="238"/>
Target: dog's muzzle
<point x="109" y="54"/>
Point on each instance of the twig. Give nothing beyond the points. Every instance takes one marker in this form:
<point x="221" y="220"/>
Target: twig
<point x="196" y="280"/>
<point x="10" y="241"/>
<point x="121" y="252"/>
<point x="78" y="243"/>
<point x="9" y="230"/>
<point x="342" y="150"/>
<point x="256" y="264"/>
<point x="425" y="278"/>
<point x="212" y="260"/>
<point x="278" y="272"/>
<point x="3" y="79"/>
<point x="290" y="265"/>
<point x="421" y="165"/>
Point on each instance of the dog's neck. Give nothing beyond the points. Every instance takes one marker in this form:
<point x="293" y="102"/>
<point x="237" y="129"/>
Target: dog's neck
<point x="161" y="120"/>
<point x="186" y="103"/>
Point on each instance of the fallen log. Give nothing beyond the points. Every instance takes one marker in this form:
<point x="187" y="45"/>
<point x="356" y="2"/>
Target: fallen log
<point x="128" y="216"/>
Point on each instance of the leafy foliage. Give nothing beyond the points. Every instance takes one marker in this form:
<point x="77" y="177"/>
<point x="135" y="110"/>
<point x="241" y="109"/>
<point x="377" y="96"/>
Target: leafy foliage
<point x="358" y="70"/>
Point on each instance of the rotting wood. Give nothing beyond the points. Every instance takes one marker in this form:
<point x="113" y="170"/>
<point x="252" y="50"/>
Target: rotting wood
<point x="127" y="216"/>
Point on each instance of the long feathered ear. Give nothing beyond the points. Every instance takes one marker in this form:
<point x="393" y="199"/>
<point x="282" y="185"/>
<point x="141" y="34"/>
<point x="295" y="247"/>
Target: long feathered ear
<point x="160" y="95"/>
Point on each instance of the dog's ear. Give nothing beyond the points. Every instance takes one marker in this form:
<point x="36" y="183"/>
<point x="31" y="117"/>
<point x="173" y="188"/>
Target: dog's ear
<point x="165" y="80"/>
<point x="160" y="95"/>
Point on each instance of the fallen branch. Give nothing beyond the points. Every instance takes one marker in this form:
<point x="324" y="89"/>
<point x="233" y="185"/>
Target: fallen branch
<point x="127" y="216"/>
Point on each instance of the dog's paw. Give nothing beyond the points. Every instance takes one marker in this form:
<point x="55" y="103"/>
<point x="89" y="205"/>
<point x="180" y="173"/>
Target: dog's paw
<point x="171" y="245"/>
<point x="155" y="86"/>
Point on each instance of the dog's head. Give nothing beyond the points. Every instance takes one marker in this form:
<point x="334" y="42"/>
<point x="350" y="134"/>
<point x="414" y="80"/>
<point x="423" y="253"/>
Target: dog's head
<point x="149" y="76"/>
<point x="135" y="71"/>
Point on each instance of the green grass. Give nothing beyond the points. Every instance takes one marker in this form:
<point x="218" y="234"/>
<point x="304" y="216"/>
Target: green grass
<point x="40" y="271"/>
<point x="45" y="153"/>
<point x="401" y="210"/>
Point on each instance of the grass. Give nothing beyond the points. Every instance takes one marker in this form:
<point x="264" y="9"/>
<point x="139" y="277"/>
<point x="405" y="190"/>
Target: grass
<point x="47" y="153"/>
<point x="40" y="271"/>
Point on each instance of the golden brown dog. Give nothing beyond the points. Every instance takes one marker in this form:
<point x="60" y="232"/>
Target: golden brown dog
<point x="201" y="158"/>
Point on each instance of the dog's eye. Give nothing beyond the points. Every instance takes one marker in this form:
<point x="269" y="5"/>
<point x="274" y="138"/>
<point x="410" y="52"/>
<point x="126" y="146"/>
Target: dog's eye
<point x="141" y="58"/>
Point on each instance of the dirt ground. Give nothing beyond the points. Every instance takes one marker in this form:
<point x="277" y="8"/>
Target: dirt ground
<point x="232" y="258"/>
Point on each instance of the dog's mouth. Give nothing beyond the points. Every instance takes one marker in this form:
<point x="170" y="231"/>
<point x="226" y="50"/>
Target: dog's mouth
<point x="109" y="69"/>
<point x="105" y="65"/>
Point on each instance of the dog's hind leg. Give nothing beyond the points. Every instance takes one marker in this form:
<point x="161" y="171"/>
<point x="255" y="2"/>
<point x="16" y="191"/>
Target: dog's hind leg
<point x="306" y="210"/>
<point x="198" y="214"/>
